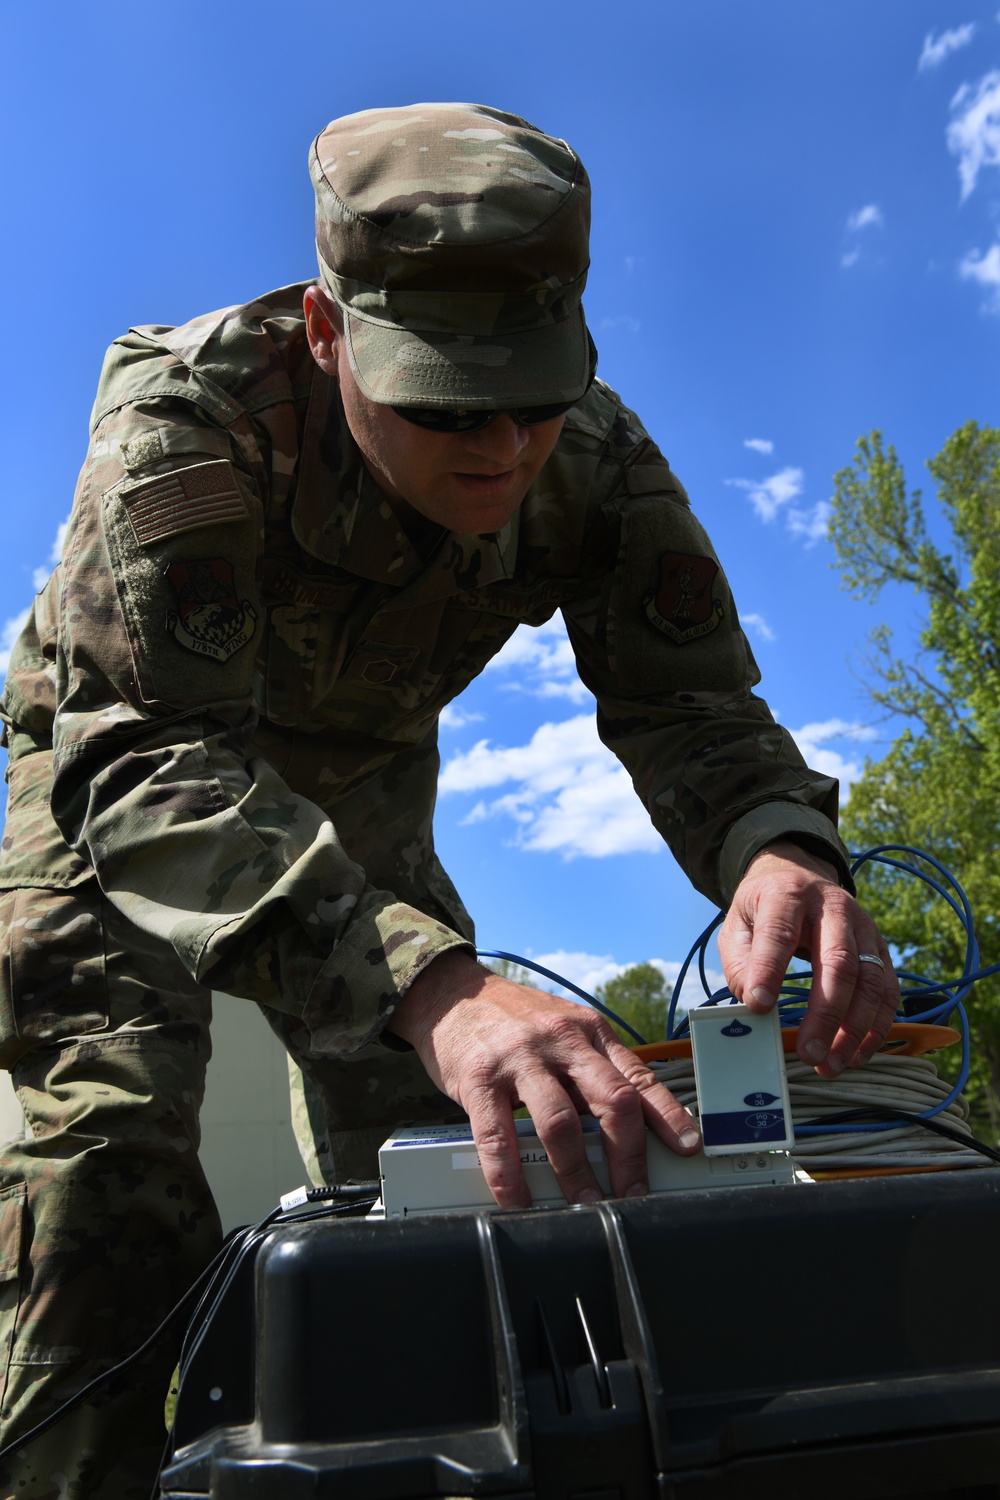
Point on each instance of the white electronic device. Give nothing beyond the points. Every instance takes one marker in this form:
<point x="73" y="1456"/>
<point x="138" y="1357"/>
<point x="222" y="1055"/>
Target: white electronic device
<point x="739" y="1070"/>
<point x="436" y="1169"/>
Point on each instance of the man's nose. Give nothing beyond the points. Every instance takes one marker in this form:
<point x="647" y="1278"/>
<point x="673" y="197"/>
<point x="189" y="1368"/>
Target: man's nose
<point x="501" y="441"/>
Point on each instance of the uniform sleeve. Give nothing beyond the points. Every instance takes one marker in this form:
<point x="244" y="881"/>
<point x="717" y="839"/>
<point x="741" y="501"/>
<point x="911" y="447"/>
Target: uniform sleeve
<point x="658" y="641"/>
<point x="193" y="836"/>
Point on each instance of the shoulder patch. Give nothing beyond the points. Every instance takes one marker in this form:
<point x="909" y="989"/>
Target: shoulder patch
<point x="210" y="619"/>
<point x="684" y="606"/>
<point x="183" y="500"/>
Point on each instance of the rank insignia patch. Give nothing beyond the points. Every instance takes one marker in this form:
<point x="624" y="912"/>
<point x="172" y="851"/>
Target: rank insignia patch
<point x="209" y="619"/>
<point x="683" y="606"/>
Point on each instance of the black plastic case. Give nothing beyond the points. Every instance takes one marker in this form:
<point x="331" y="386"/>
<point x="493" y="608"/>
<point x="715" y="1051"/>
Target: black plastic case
<point x="772" y="1343"/>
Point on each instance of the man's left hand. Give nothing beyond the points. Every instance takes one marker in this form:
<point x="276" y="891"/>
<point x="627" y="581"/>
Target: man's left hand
<point x="789" y="902"/>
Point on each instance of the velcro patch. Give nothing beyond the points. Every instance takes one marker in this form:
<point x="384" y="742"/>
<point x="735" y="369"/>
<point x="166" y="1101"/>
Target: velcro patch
<point x="142" y="450"/>
<point x="183" y="500"/>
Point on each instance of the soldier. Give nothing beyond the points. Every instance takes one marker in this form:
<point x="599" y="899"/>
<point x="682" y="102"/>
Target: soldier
<point x="304" y="525"/>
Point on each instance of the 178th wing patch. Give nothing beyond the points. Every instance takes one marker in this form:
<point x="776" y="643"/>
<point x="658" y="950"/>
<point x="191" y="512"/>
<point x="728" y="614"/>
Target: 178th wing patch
<point x="209" y="619"/>
<point x="684" y="606"/>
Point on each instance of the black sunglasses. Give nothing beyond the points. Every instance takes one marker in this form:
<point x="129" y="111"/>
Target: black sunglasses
<point x="434" y="419"/>
<point x="471" y="421"/>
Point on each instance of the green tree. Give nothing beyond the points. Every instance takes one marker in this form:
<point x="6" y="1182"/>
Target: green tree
<point x="640" y="996"/>
<point x="518" y="974"/>
<point x="937" y="788"/>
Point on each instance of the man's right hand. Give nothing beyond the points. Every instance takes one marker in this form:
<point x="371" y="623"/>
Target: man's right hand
<point x="493" y="1045"/>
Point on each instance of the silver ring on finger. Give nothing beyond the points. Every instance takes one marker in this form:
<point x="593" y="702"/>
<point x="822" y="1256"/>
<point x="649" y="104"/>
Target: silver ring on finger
<point x="871" y="958"/>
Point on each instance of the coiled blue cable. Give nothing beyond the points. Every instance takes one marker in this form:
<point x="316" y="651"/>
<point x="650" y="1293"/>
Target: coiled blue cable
<point x="794" y="994"/>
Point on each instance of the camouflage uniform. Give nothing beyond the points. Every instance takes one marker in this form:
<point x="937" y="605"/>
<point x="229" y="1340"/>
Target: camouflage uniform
<point x="221" y="719"/>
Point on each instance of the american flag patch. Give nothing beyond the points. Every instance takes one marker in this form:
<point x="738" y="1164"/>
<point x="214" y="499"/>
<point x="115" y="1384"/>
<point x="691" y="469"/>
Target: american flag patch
<point x="183" y="500"/>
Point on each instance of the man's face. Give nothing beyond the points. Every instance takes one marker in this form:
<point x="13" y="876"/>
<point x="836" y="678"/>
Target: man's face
<point x="469" y="482"/>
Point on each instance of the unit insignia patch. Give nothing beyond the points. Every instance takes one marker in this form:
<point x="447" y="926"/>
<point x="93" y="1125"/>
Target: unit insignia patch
<point x="683" y="606"/>
<point x="209" y="619"/>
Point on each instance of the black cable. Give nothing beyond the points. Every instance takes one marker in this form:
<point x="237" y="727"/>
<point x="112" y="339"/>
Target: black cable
<point x="198" y="1330"/>
<point x="225" y="1267"/>
<point x="889" y="1112"/>
<point x="233" y="1247"/>
<point x="359" y="1194"/>
<point x="93" y="1385"/>
<point x="360" y="1199"/>
<point x="230" y="1246"/>
<point x="346" y="1192"/>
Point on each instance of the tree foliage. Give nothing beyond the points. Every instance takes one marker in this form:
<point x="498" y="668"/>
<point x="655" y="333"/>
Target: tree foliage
<point x="937" y="788"/>
<point x="641" y="997"/>
<point x="517" y="974"/>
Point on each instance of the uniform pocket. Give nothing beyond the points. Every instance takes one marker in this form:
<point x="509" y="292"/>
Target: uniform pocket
<point x="12" y="1201"/>
<point x="183" y="548"/>
<point x="34" y="851"/>
<point x="53" y="982"/>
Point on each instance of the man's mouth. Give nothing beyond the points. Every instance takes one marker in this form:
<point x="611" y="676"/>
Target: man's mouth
<point x="484" y="479"/>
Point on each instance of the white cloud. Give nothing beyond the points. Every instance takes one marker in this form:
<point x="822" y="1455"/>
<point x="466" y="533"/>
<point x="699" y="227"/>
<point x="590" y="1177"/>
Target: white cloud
<point x="869" y="217"/>
<point x="587" y="970"/>
<point x="767" y="496"/>
<point x="41" y="575"/>
<point x="10" y="631"/>
<point x="936" y="49"/>
<point x="759" y="445"/>
<point x="773" y="496"/>
<point x="631" y="325"/>
<point x="974" y="131"/>
<point x="453" y="717"/>
<point x="810" y="525"/>
<point x="815" y="739"/>
<point x="760" y="625"/>
<point x="984" y="268"/>
<point x="570" y="795"/>
<point x="8" y="635"/>
<point x="539" y="660"/>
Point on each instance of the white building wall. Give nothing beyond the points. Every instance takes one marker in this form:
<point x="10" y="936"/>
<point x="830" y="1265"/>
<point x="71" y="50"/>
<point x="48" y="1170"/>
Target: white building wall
<point x="248" y="1149"/>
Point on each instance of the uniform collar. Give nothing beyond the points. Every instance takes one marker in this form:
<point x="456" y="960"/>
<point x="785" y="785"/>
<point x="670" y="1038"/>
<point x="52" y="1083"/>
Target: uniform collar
<point x="341" y="517"/>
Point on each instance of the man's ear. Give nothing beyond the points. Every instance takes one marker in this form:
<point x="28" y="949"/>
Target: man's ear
<point x="324" y="328"/>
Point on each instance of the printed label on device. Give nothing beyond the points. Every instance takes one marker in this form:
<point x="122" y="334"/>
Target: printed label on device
<point x="739" y="1069"/>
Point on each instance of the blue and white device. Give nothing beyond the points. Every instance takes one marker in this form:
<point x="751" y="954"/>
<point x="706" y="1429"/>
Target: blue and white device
<point x="739" y="1070"/>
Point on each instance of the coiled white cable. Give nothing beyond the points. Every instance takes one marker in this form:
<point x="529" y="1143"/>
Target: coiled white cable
<point x="888" y="1081"/>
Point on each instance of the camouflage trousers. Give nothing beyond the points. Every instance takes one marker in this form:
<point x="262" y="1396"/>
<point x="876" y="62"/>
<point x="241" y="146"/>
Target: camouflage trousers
<point x="105" y="1214"/>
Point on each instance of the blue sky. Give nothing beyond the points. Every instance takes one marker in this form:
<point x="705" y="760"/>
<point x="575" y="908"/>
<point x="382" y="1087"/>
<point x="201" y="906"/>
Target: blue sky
<point x="796" y="239"/>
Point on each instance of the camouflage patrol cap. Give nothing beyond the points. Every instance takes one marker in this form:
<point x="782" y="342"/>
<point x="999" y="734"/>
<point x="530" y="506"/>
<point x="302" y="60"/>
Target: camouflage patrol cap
<point x="455" y="239"/>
